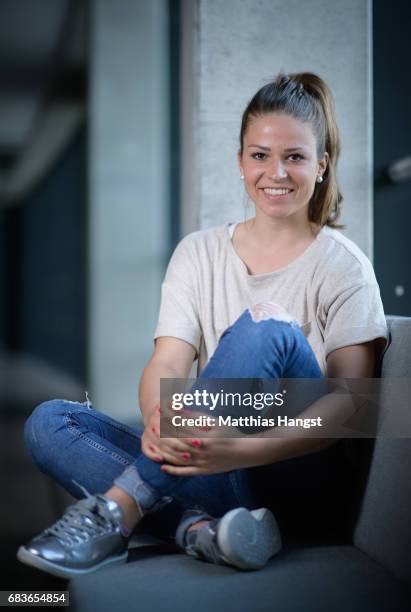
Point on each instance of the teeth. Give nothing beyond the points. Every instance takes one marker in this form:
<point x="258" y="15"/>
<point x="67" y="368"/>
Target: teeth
<point x="276" y="191"/>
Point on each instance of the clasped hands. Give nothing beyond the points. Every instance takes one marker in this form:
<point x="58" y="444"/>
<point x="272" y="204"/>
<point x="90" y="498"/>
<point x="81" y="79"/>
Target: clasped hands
<point x="192" y="455"/>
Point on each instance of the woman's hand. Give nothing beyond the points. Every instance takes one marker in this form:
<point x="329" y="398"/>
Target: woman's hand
<point x="212" y="456"/>
<point x="193" y="456"/>
<point x="148" y="439"/>
<point x="219" y="453"/>
<point x="178" y="451"/>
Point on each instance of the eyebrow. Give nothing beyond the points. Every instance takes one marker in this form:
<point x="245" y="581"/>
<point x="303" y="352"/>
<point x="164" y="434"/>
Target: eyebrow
<point x="296" y="148"/>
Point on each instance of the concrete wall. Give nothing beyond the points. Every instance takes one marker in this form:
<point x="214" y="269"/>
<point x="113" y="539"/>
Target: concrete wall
<point x="128" y="184"/>
<point x="230" y="49"/>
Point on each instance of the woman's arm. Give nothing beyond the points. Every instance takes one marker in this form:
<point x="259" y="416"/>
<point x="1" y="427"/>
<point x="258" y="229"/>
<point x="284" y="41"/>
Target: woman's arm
<point x="222" y="454"/>
<point x="172" y="358"/>
<point x="355" y="361"/>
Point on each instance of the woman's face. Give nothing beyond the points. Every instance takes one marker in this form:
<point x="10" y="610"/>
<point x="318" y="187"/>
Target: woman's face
<point x="280" y="166"/>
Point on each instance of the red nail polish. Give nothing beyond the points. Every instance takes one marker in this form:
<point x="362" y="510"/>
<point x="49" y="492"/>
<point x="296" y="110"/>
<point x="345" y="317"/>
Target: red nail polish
<point x="153" y="429"/>
<point x="163" y="468"/>
<point x="152" y="448"/>
<point x="185" y="456"/>
<point x="195" y="443"/>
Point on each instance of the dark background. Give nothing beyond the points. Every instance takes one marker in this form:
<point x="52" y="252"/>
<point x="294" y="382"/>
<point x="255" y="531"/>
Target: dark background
<point x="392" y="141"/>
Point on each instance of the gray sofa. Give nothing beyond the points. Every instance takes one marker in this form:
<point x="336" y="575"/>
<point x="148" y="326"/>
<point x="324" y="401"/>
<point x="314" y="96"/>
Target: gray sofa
<point x="368" y="568"/>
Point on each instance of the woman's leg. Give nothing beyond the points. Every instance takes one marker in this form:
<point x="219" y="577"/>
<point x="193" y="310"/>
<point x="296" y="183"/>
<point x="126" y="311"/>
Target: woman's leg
<point x="251" y="347"/>
<point x="264" y="342"/>
<point x="74" y="443"/>
<point x="84" y="451"/>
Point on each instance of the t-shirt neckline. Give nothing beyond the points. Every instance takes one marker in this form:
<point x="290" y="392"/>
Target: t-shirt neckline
<point x="256" y="277"/>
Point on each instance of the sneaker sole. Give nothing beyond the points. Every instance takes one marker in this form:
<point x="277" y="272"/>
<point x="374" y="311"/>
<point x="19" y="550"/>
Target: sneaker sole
<point x="25" y="556"/>
<point x="248" y="539"/>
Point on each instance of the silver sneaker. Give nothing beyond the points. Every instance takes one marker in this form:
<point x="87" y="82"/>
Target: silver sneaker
<point x="85" y="539"/>
<point x="242" y="538"/>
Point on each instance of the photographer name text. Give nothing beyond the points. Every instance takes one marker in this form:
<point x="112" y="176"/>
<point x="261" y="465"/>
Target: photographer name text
<point x="244" y="421"/>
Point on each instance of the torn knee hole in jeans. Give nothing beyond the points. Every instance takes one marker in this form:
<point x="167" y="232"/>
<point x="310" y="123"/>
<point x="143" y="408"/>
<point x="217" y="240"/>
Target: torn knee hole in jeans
<point x="270" y="310"/>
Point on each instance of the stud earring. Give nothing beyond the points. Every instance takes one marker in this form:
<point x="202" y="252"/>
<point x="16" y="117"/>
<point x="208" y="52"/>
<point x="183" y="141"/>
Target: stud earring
<point x="242" y="177"/>
<point x="319" y="179"/>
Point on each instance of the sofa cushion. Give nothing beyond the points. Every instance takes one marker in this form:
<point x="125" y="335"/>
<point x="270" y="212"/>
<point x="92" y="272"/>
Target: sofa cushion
<point x="382" y="529"/>
<point x="397" y="358"/>
<point x="316" y="579"/>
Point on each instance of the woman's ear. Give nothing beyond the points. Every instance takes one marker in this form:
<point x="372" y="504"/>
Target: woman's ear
<point x="323" y="163"/>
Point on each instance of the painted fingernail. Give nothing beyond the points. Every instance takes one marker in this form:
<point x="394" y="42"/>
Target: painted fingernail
<point x="163" y="468"/>
<point x="195" y="442"/>
<point x="153" y="429"/>
<point x="152" y="448"/>
<point x="159" y="409"/>
<point x="185" y="456"/>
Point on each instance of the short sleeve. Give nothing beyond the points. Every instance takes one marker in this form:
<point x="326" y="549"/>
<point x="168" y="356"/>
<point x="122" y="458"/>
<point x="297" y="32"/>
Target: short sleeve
<point x="355" y="313"/>
<point x="179" y="316"/>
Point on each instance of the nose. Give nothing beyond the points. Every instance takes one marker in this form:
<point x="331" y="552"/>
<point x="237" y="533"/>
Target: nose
<point x="277" y="170"/>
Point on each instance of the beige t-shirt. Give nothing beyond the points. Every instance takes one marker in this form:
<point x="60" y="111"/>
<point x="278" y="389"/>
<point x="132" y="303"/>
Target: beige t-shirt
<point x="330" y="289"/>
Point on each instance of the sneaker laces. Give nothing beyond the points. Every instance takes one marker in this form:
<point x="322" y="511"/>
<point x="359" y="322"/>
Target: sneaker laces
<point x="86" y="518"/>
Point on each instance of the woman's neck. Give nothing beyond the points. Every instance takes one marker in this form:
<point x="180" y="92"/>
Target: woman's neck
<point x="276" y="235"/>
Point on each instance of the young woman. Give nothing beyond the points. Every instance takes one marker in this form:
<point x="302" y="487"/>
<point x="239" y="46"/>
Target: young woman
<point x="282" y="295"/>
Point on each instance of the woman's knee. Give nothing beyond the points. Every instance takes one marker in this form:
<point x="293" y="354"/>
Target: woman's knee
<point x="266" y="326"/>
<point x="265" y="311"/>
<point x="39" y="428"/>
<point x="254" y="322"/>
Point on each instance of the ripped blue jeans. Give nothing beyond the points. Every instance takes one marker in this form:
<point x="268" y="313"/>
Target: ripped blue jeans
<point x="72" y="441"/>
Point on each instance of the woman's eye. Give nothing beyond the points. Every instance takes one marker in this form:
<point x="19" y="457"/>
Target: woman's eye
<point x="295" y="157"/>
<point x="258" y="155"/>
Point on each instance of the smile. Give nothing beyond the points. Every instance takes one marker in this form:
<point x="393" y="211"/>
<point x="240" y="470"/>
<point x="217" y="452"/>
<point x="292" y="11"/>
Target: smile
<point x="276" y="192"/>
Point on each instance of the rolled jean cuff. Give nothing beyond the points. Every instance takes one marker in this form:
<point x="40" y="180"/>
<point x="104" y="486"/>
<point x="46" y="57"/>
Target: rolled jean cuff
<point x="148" y="498"/>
